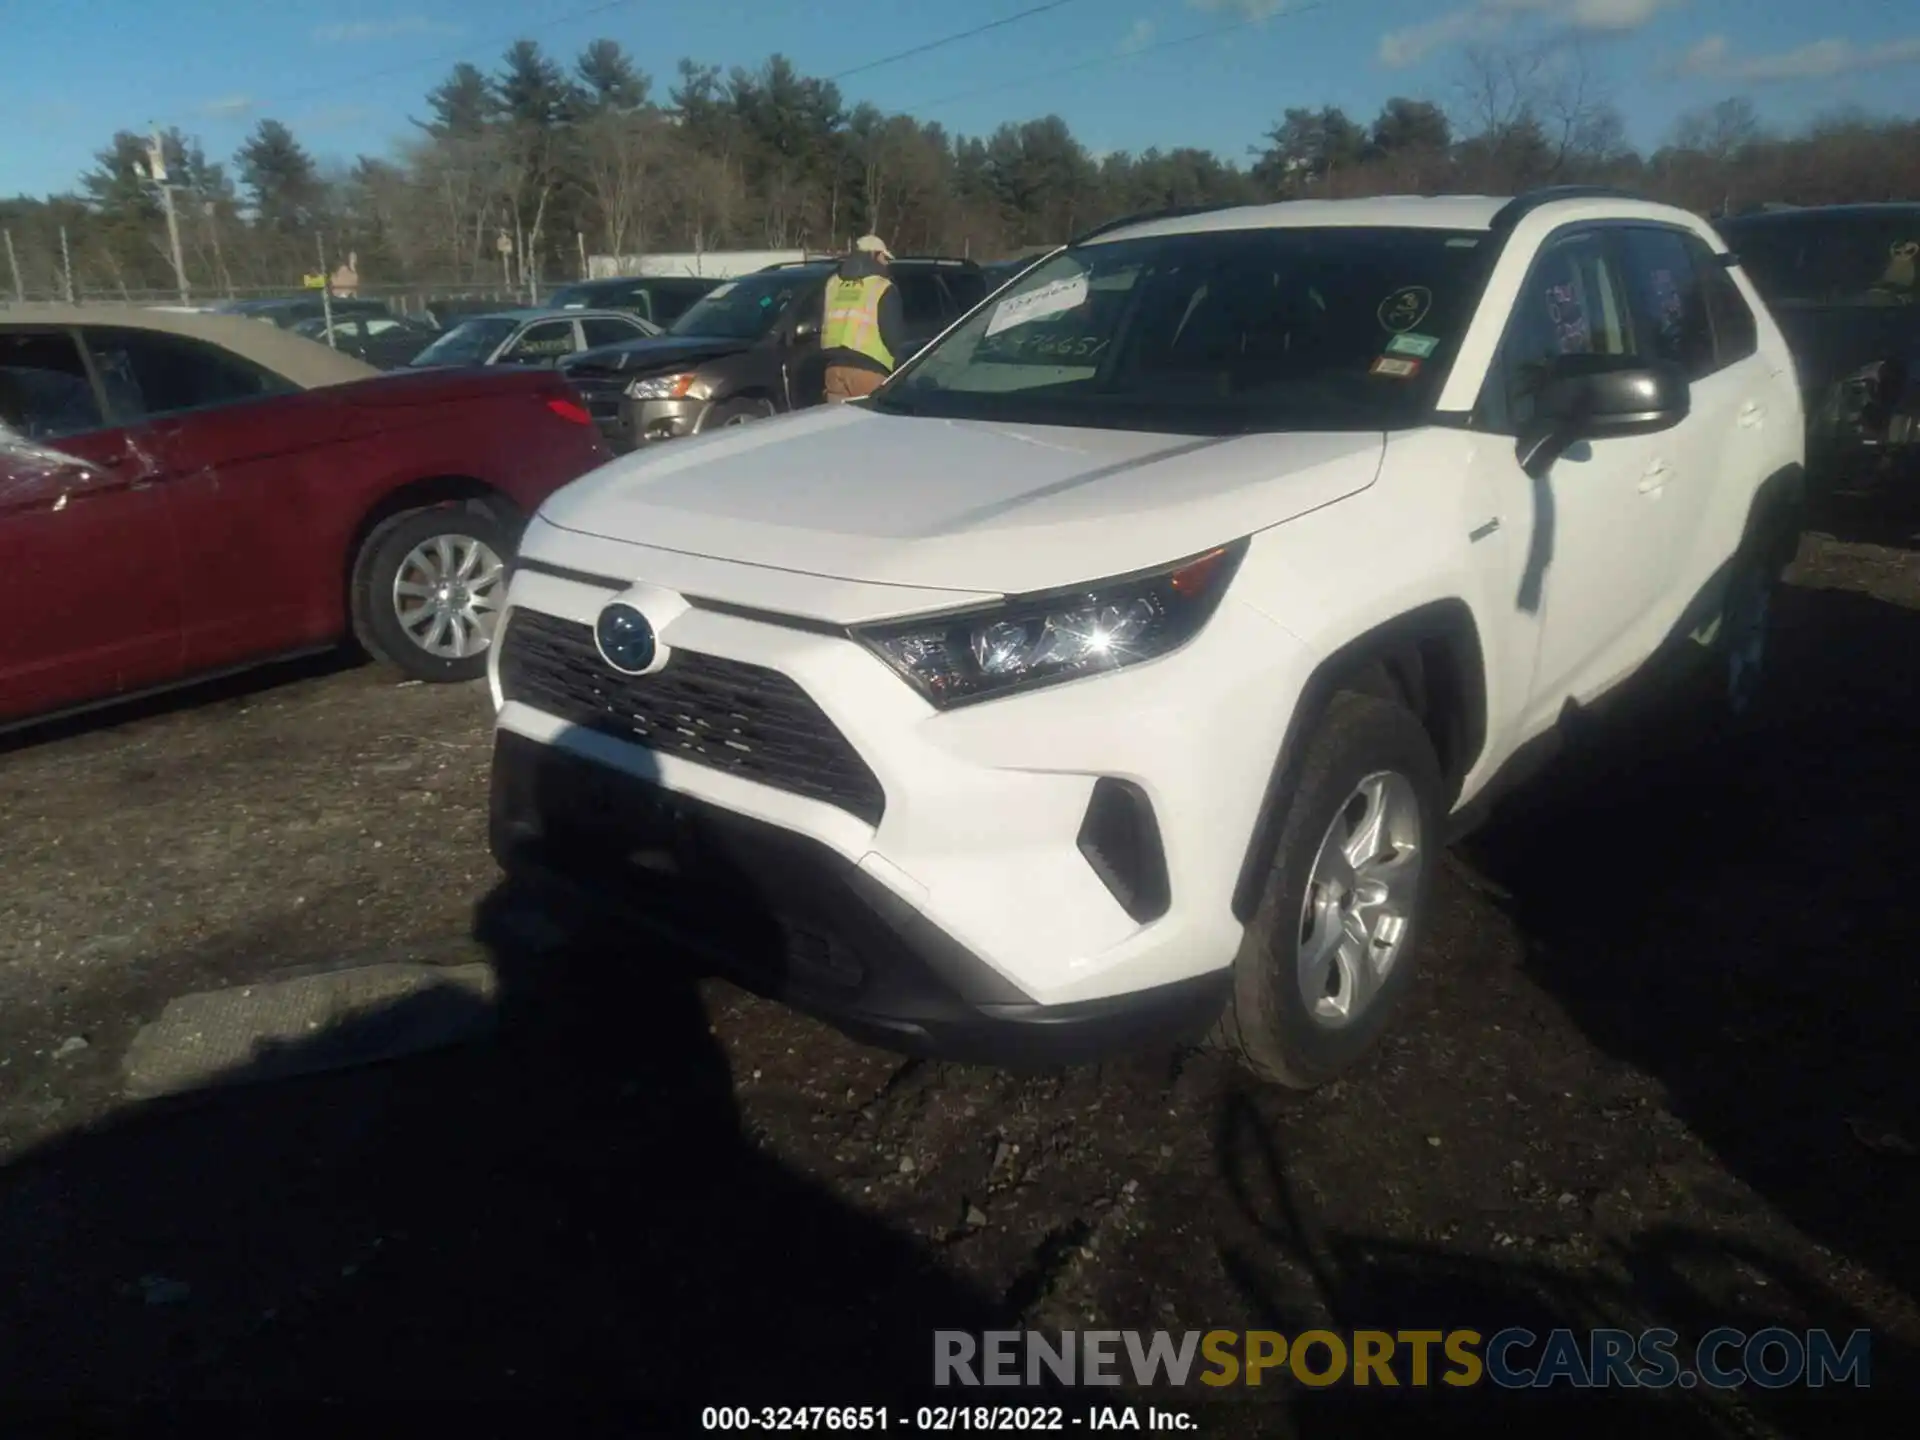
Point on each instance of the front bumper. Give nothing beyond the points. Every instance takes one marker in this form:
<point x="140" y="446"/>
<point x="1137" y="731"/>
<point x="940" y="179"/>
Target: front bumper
<point x="788" y="917"/>
<point x="648" y="422"/>
<point x="1080" y="844"/>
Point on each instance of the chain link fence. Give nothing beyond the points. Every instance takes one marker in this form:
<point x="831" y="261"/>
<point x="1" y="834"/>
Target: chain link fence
<point x="413" y="298"/>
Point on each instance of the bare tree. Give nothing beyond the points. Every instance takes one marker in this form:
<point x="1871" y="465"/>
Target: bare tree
<point x="621" y="155"/>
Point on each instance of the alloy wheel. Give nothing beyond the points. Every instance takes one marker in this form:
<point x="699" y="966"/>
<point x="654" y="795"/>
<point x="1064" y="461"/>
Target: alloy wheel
<point x="447" y="593"/>
<point x="1360" y="899"/>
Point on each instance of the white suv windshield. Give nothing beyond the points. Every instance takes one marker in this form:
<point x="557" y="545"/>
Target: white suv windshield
<point x="1213" y="333"/>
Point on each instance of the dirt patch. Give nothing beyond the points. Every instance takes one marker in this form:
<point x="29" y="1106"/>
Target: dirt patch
<point x="1655" y="1072"/>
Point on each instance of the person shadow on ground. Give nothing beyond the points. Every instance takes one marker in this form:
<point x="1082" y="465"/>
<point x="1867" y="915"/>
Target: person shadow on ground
<point x="562" y="1221"/>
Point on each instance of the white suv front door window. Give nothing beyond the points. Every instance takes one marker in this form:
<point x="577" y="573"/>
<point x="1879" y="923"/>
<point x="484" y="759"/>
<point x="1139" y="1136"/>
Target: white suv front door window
<point x="1669" y="291"/>
<point x="1593" y="566"/>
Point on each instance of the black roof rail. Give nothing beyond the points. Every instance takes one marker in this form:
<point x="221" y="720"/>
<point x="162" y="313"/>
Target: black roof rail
<point x="1174" y="212"/>
<point x="1521" y="206"/>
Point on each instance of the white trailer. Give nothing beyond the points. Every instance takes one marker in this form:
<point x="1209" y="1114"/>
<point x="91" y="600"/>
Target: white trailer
<point x="707" y="264"/>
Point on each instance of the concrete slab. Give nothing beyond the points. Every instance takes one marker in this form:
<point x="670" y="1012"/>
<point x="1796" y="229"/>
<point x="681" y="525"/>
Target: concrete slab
<point x="307" y="1025"/>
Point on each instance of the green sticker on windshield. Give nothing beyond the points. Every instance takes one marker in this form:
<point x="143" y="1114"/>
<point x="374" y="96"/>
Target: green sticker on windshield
<point x="1411" y="344"/>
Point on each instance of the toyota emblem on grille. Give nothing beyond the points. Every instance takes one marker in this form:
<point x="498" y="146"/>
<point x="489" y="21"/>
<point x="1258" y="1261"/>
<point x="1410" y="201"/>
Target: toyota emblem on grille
<point x="625" y="638"/>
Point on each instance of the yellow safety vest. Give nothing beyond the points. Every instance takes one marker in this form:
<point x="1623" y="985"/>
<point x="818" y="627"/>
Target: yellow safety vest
<point x="853" y="317"/>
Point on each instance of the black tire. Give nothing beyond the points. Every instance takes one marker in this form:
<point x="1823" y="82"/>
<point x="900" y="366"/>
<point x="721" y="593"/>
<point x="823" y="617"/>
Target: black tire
<point x="742" y="411"/>
<point x="1268" y="1024"/>
<point x="377" y="623"/>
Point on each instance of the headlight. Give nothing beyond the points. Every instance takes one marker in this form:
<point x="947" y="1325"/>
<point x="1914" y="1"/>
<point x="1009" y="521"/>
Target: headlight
<point x="1038" y="639"/>
<point x="661" y="387"/>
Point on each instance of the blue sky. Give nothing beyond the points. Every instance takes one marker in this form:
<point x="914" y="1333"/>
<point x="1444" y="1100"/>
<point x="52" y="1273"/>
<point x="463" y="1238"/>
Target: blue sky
<point x="347" y="75"/>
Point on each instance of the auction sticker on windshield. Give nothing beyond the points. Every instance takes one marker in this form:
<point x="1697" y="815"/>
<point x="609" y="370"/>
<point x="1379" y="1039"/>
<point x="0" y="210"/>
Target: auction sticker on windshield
<point x="1419" y="346"/>
<point x="1405" y="307"/>
<point x="1054" y="298"/>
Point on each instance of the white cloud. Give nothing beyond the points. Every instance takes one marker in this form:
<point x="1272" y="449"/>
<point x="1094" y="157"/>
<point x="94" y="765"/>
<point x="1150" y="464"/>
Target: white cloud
<point x="1246" y="9"/>
<point x="1820" y="60"/>
<point x="1614" y="14"/>
<point x="1485" y="19"/>
<point x="1400" y="48"/>
<point x="227" y="106"/>
<point x="356" y="31"/>
<point x="1137" y="38"/>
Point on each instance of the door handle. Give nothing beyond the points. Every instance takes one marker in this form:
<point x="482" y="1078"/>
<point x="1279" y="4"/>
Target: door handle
<point x="1751" y="414"/>
<point x="1655" y="477"/>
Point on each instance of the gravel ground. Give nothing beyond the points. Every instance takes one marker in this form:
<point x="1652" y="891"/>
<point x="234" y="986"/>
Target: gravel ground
<point x="1655" y="1073"/>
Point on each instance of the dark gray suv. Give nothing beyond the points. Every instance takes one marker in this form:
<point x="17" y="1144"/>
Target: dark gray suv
<point x="748" y="349"/>
<point x="662" y="299"/>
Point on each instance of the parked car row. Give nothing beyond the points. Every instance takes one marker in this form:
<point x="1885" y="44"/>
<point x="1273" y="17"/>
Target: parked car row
<point x="1117" y="670"/>
<point x="385" y="342"/>
<point x="531" y="337"/>
<point x="576" y="317"/>
<point x="661" y="299"/>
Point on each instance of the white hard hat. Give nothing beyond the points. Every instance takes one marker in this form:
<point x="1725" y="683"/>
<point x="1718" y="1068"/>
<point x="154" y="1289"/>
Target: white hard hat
<point x="873" y="245"/>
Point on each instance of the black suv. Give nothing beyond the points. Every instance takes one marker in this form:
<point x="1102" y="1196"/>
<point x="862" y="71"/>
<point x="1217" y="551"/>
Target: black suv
<point x="662" y="299"/>
<point x="748" y="349"/>
<point x="1840" y="280"/>
<point x="287" y="311"/>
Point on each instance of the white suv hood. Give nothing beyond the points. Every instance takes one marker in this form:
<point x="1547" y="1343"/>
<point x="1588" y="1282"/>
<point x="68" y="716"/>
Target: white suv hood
<point x="968" y="505"/>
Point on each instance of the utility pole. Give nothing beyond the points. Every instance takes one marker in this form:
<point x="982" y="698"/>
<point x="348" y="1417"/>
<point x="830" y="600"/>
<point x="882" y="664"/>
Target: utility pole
<point x="326" y="290"/>
<point x="157" y="170"/>
<point x="66" y="266"/>
<point x="13" y="260"/>
<point x="222" y="279"/>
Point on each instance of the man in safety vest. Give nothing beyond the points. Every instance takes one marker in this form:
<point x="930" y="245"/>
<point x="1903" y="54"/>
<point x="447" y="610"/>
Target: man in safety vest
<point x="862" y="323"/>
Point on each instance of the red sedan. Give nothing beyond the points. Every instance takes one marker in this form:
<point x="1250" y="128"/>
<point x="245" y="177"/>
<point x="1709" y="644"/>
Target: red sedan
<point x="185" y="494"/>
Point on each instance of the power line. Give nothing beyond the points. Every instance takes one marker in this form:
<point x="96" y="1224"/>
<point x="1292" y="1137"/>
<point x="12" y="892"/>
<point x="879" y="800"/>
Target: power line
<point x="952" y="39"/>
<point x="1116" y="58"/>
<point x="585" y="12"/>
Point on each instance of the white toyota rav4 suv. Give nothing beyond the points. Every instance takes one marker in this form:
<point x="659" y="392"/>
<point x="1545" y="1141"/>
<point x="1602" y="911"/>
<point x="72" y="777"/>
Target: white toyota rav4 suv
<point x="1122" y="665"/>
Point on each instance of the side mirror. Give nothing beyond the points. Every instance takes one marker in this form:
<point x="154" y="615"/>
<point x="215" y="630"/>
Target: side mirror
<point x="1600" y="397"/>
